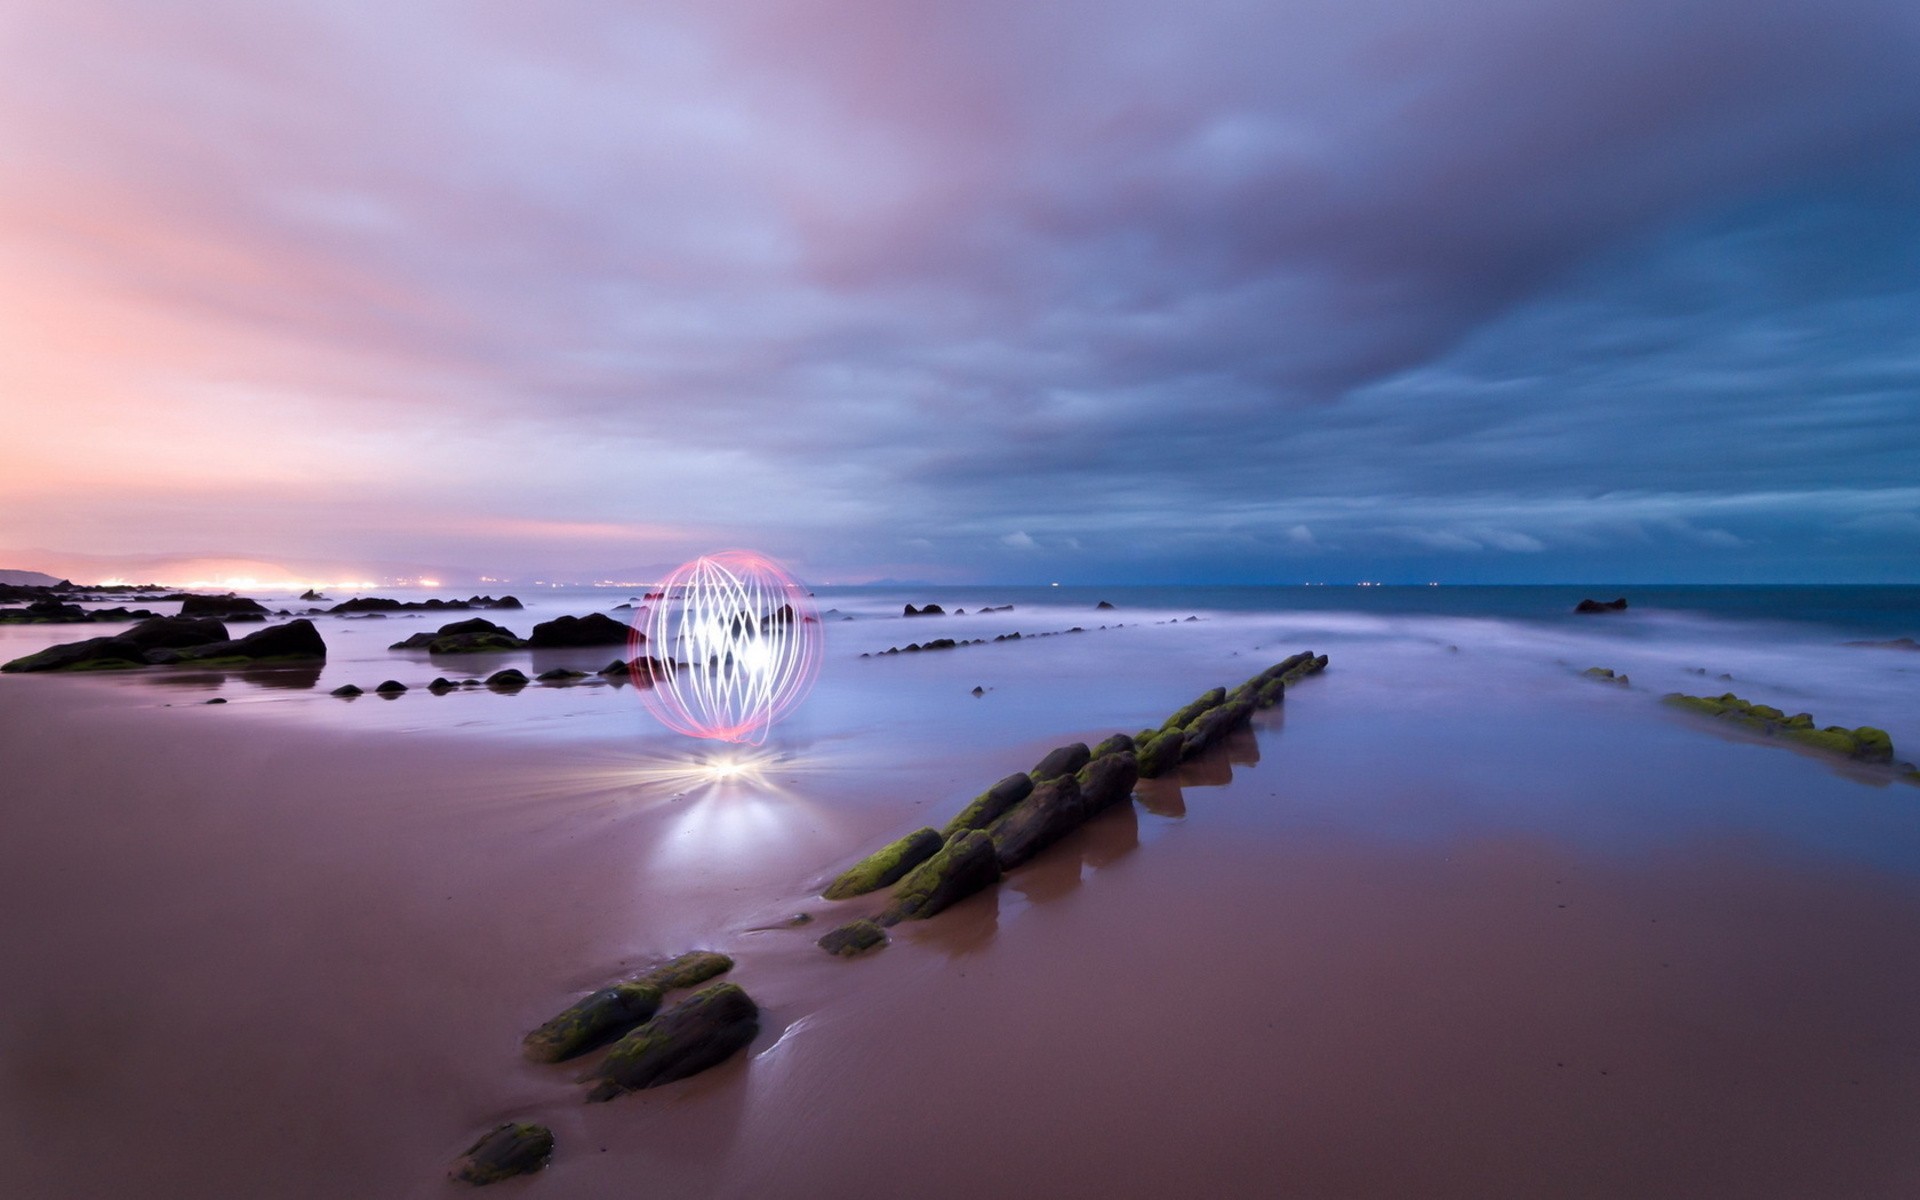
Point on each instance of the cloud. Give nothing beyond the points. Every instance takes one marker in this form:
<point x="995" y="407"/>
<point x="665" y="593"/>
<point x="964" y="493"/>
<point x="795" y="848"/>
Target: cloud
<point x="1502" y="282"/>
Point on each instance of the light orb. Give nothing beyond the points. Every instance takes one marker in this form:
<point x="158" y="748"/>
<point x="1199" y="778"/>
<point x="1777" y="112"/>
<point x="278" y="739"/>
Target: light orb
<point x="729" y="645"/>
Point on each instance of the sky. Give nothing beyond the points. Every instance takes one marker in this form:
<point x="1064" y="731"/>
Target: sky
<point x="1091" y="291"/>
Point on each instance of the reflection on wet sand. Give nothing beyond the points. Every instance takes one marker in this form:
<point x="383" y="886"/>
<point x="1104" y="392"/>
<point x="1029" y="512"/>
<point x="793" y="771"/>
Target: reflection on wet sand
<point x="298" y="677"/>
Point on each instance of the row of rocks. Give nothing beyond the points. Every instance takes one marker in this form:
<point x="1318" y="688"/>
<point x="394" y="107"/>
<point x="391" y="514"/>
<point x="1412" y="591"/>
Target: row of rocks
<point x="1863" y="744"/>
<point x="511" y="679"/>
<point x="50" y="610"/>
<point x="201" y="641"/>
<point x="1021" y="815"/>
<point x="649" y="1048"/>
<point x="956" y="643"/>
<point x="477" y="635"/>
<point x="382" y="604"/>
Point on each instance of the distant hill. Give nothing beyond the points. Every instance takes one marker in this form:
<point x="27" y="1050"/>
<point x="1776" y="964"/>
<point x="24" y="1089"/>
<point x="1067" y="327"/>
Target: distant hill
<point x="28" y="579"/>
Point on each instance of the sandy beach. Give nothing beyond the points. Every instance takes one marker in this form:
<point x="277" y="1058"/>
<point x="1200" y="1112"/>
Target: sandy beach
<point x="1556" y="943"/>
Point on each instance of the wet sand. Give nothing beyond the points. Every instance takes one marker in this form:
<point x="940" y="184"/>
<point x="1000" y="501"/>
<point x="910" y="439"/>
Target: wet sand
<point x="1595" y="956"/>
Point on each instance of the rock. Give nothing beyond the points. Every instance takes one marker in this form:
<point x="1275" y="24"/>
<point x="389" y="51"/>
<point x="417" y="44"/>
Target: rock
<point x="1107" y="780"/>
<point x="228" y="606"/>
<point x="293" y="642"/>
<point x="217" y="700"/>
<point x="1596" y="606"/>
<point x="926" y="610"/>
<point x="1605" y="675"/>
<point x="1158" y="751"/>
<point x="594" y="629"/>
<point x="392" y="687"/>
<point x="1899" y="643"/>
<point x="617" y="669"/>
<point x="441" y="685"/>
<point x="986" y="808"/>
<point x="1113" y="745"/>
<point x="885" y="865"/>
<point x="310" y="596"/>
<point x="504" y="1152"/>
<point x="1865" y="744"/>
<point x="1212" y="727"/>
<point x="1054" y="809"/>
<point x="603" y="1016"/>
<point x="346" y="690"/>
<point x="962" y="867"/>
<point x="383" y="604"/>
<point x="1062" y="760"/>
<point x="979" y="691"/>
<point x="476" y="635"/>
<point x="854" y="938"/>
<point x="508" y="679"/>
<point x="701" y="1031"/>
<point x="175" y="633"/>
<point x="560" y="675"/>
<point x="1102" y="604"/>
<point x="1183" y="717"/>
<point x="93" y="654"/>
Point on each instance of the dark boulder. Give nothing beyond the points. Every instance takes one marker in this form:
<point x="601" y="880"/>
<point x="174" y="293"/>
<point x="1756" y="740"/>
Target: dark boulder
<point x="476" y="635"/>
<point x="702" y="1031"/>
<point x="1063" y="760"/>
<point x="617" y="669"/>
<point x="612" y="1011"/>
<point x="347" y="690"/>
<point x="502" y="1153"/>
<point x="1054" y="809"/>
<point x="507" y="680"/>
<point x="925" y="610"/>
<point x="392" y="687"/>
<point x="885" y="865"/>
<point x="560" y="675"/>
<point x="1596" y="606"/>
<point x="1113" y="745"/>
<point x="93" y="654"/>
<point x="594" y="629"/>
<point x="175" y="633"/>
<point x="962" y="867"/>
<point x="311" y="596"/>
<point x="296" y="640"/>
<point x="1107" y="780"/>
<point x="222" y="606"/>
<point x="441" y="685"/>
<point x="1103" y="604"/>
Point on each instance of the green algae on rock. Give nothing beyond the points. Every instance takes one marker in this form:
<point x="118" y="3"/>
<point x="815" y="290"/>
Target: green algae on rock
<point x="1605" y="675"/>
<point x="962" y="867"/>
<point x="700" y="1032"/>
<point x="503" y="1152"/>
<point x="988" y="805"/>
<point x="1062" y="760"/>
<point x="606" y="1014"/>
<point x="853" y="939"/>
<point x="1864" y="744"/>
<point x="885" y="865"/>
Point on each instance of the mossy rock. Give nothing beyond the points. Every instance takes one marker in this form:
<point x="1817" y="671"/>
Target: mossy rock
<point x="1055" y="809"/>
<point x="1062" y="760"/>
<point x="700" y="1032"/>
<point x="1182" y="717"/>
<point x="610" y="1012"/>
<point x="1211" y="728"/>
<point x="962" y="867"/>
<point x="885" y="865"/>
<point x="988" y="805"/>
<point x="1865" y="744"/>
<point x="507" y="680"/>
<point x="1272" y="692"/>
<point x="1107" y="780"/>
<point x="1605" y="675"/>
<point x="1160" y="753"/>
<point x="503" y="1152"/>
<point x="853" y="939"/>
<point x="1116" y="744"/>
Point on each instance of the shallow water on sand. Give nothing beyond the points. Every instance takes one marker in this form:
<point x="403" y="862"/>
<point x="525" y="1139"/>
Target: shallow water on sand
<point x="1453" y="921"/>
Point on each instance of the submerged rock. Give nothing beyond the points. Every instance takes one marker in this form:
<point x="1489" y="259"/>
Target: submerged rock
<point x="476" y="635"/>
<point x="604" y="1015"/>
<point x="1597" y="606"/>
<point x="1864" y="744"/>
<point x="228" y="606"/>
<point x="509" y="679"/>
<point x="702" y="1031"/>
<point x="392" y="687"/>
<point x="1605" y="675"/>
<point x="503" y="1152"/>
<point x="885" y="865"/>
<point x="854" y="938"/>
<point x="347" y="690"/>
<point x="962" y="867"/>
<point x="560" y="675"/>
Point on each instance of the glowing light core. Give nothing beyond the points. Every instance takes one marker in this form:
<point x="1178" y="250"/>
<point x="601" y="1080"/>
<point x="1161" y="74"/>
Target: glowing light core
<point x="730" y="644"/>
